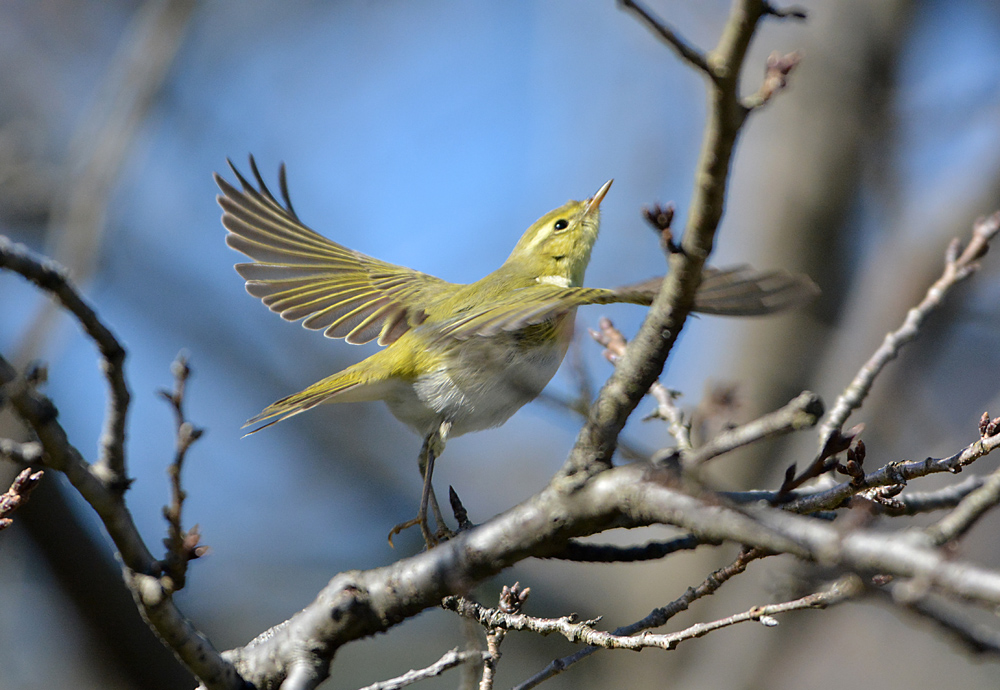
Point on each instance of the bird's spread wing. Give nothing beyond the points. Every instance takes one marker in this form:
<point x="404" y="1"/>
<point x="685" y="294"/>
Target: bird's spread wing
<point x="736" y="291"/>
<point x="300" y="274"/>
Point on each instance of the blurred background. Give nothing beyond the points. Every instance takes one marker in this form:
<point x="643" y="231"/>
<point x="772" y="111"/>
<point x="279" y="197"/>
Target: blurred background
<point x="432" y="134"/>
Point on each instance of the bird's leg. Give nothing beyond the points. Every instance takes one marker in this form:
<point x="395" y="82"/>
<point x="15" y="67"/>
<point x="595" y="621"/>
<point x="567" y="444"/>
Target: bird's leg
<point x="432" y="447"/>
<point x="435" y="446"/>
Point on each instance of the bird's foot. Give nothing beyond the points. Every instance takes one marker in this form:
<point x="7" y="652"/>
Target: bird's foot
<point x="432" y="539"/>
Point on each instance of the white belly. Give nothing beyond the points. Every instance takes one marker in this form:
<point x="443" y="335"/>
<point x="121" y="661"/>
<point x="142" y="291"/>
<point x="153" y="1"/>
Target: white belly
<point x="486" y="381"/>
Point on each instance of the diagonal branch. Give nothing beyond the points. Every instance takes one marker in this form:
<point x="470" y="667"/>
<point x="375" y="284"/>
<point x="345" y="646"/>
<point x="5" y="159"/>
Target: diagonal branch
<point x="967" y="513"/>
<point x="800" y="413"/>
<point x="959" y="265"/>
<point x="646" y="355"/>
<point x="684" y="50"/>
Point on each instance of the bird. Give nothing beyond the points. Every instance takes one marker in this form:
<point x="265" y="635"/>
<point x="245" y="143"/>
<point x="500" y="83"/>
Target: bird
<point x="457" y="358"/>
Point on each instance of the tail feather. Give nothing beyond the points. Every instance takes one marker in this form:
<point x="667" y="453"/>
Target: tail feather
<point x="350" y="385"/>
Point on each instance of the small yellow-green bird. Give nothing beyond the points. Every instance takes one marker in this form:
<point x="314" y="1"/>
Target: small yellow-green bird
<point x="458" y="358"/>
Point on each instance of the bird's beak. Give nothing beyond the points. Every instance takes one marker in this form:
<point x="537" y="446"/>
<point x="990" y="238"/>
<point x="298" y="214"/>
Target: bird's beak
<point x="595" y="201"/>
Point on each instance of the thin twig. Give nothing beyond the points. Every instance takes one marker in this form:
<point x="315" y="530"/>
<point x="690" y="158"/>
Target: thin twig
<point x="584" y="632"/>
<point x="793" y="12"/>
<point x="892" y="473"/>
<point x="51" y="277"/>
<point x="182" y="546"/>
<point x="142" y="571"/>
<point x="959" y="265"/>
<point x="843" y="589"/>
<point x="916" y="502"/>
<point x="494" y="638"/>
<point x="975" y="637"/>
<point x="656" y="617"/>
<point x="800" y="413"/>
<point x="960" y="520"/>
<point x="684" y="49"/>
<point x="17" y="495"/>
<point x="614" y="344"/>
<point x="449" y="661"/>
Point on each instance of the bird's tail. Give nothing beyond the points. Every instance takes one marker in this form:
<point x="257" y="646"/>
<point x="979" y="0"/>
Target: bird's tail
<point x="357" y="383"/>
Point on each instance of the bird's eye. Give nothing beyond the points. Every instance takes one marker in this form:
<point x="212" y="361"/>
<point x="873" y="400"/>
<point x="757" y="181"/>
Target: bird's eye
<point x="561" y="224"/>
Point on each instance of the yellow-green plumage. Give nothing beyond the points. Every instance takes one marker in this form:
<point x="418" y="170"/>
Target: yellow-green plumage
<point x="468" y="355"/>
<point x="458" y="358"/>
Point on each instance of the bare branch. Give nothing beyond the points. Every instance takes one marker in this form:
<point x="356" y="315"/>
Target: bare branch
<point x="447" y="662"/>
<point x="645" y="357"/>
<point x="614" y="347"/>
<point x="655" y="619"/>
<point x="51" y="277"/>
<point x="493" y="640"/>
<point x="801" y="413"/>
<point x="959" y="265"/>
<point x="360" y="603"/>
<point x="975" y="637"/>
<point x="915" y="502"/>
<point x="607" y="553"/>
<point x="845" y="588"/>
<point x="892" y="473"/>
<point x="182" y="546"/>
<point x="960" y="520"/>
<point x="142" y="571"/>
<point x="574" y="631"/>
<point x="793" y="12"/>
<point x="683" y="49"/>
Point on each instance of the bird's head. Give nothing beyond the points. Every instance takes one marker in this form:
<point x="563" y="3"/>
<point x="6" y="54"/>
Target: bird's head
<point x="556" y="248"/>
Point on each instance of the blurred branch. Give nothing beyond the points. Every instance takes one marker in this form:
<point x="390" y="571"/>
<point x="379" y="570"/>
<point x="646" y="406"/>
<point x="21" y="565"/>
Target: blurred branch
<point x="20" y="453"/>
<point x="101" y="143"/>
<point x="684" y="50"/>
<point x="802" y="412"/>
<point x="607" y="553"/>
<point x="972" y="507"/>
<point x="976" y="638"/>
